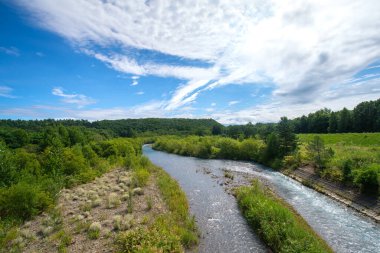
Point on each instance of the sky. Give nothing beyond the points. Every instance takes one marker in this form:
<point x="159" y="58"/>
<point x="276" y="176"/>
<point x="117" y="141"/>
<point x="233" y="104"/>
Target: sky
<point x="234" y="61"/>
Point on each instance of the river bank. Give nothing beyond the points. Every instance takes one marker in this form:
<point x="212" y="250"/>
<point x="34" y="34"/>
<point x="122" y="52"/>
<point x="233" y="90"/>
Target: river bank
<point x="344" y="229"/>
<point x="367" y="206"/>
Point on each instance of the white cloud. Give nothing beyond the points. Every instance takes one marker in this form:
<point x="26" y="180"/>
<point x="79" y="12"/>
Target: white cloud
<point x="135" y="80"/>
<point x="213" y="104"/>
<point x="78" y="99"/>
<point x="303" y="48"/>
<point x="234" y="102"/>
<point x="140" y="93"/>
<point x="13" y="51"/>
<point x="6" y="92"/>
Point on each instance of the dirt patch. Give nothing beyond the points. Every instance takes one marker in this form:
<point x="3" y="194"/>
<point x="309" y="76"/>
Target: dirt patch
<point x="88" y="217"/>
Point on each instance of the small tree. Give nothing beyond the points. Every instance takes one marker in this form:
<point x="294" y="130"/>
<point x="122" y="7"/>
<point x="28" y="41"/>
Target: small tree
<point x="287" y="137"/>
<point x="319" y="154"/>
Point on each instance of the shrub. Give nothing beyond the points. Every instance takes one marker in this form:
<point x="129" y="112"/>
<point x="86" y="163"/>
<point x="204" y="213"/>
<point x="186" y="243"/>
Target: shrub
<point x="154" y="239"/>
<point x="23" y="201"/>
<point x="94" y="230"/>
<point x="368" y="180"/>
<point x="113" y="200"/>
<point x="141" y="177"/>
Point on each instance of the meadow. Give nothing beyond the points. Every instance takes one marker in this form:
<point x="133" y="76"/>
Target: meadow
<point x="356" y="158"/>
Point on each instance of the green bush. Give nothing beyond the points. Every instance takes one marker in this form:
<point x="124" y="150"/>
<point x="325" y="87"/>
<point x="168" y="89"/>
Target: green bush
<point x="23" y="201"/>
<point x="154" y="239"/>
<point x="141" y="177"/>
<point x="368" y="179"/>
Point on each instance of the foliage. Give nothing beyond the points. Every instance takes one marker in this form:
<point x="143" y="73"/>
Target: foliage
<point x="157" y="238"/>
<point x="175" y="199"/>
<point x="368" y="179"/>
<point x="141" y="177"/>
<point x="287" y="137"/>
<point x="319" y="154"/>
<point x="23" y="201"/>
<point x="281" y="228"/>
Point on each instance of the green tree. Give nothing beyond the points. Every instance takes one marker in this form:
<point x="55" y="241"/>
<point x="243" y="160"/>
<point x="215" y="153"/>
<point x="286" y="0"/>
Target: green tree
<point x="216" y="130"/>
<point x="345" y="121"/>
<point x="287" y="137"/>
<point x="333" y="123"/>
<point x="318" y="153"/>
<point x="272" y="149"/>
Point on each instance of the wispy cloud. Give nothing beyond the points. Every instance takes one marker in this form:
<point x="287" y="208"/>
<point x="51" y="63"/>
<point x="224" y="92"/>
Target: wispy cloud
<point x="135" y="80"/>
<point x="6" y="92"/>
<point x="140" y="93"/>
<point x="13" y="51"/>
<point x="299" y="47"/>
<point x="77" y="99"/>
<point x="234" y="102"/>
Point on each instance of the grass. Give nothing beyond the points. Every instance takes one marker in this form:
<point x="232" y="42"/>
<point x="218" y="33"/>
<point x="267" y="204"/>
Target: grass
<point x="170" y="232"/>
<point x="178" y="205"/>
<point x="349" y="139"/>
<point x="279" y="226"/>
<point x="355" y="155"/>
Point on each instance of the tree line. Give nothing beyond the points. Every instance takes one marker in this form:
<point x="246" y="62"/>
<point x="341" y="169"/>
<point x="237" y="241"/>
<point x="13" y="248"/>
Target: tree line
<point x="365" y="117"/>
<point x="123" y="127"/>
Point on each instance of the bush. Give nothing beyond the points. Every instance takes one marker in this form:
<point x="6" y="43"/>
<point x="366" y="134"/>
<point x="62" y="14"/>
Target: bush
<point x="94" y="230"/>
<point x="367" y="180"/>
<point x="23" y="201"/>
<point x="141" y="177"/>
<point x="155" y="239"/>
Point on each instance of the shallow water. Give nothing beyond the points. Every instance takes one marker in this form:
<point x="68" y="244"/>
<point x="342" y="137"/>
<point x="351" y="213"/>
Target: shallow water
<point x="225" y="230"/>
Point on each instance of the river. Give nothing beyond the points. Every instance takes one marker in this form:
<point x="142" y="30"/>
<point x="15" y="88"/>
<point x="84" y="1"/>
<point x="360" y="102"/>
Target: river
<point x="225" y="230"/>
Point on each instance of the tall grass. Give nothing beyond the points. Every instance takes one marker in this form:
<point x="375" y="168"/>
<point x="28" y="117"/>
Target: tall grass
<point x="178" y="205"/>
<point x="354" y="139"/>
<point x="279" y="226"/>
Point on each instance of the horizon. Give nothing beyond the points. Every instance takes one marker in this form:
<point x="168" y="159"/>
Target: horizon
<point x="250" y="61"/>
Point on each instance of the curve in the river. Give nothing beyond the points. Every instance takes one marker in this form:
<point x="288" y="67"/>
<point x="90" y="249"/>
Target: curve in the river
<point x="225" y="230"/>
<point x="222" y="227"/>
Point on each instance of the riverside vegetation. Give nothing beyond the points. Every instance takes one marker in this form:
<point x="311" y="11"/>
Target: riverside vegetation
<point x="41" y="172"/>
<point x="280" y="227"/>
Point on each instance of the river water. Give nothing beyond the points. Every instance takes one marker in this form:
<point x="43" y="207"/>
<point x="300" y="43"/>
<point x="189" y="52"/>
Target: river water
<point x="225" y="230"/>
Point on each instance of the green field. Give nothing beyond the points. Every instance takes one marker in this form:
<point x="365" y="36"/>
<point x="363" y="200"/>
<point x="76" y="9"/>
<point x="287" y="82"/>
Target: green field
<point x="348" y="139"/>
<point x="356" y="158"/>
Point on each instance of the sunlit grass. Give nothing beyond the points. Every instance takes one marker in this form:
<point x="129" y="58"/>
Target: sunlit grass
<point x="279" y="226"/>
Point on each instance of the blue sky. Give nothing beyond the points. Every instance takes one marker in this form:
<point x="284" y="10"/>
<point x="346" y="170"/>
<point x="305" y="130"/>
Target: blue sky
<point x="234" y="62"/>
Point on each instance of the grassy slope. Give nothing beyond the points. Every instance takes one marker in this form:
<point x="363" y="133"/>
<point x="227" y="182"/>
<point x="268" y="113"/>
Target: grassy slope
<point x="363" y="148"/>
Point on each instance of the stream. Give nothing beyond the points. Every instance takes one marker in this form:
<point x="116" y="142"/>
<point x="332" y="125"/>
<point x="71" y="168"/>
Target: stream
<point x="224" y="229"/>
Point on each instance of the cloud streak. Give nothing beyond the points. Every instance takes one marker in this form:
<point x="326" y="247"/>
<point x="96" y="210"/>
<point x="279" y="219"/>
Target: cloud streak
<point x="6" y="92"/>
<point x="77" y="99"/>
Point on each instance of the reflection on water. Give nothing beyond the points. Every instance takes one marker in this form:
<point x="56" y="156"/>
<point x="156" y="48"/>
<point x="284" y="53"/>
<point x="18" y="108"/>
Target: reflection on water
<point x="225" y="230"/>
